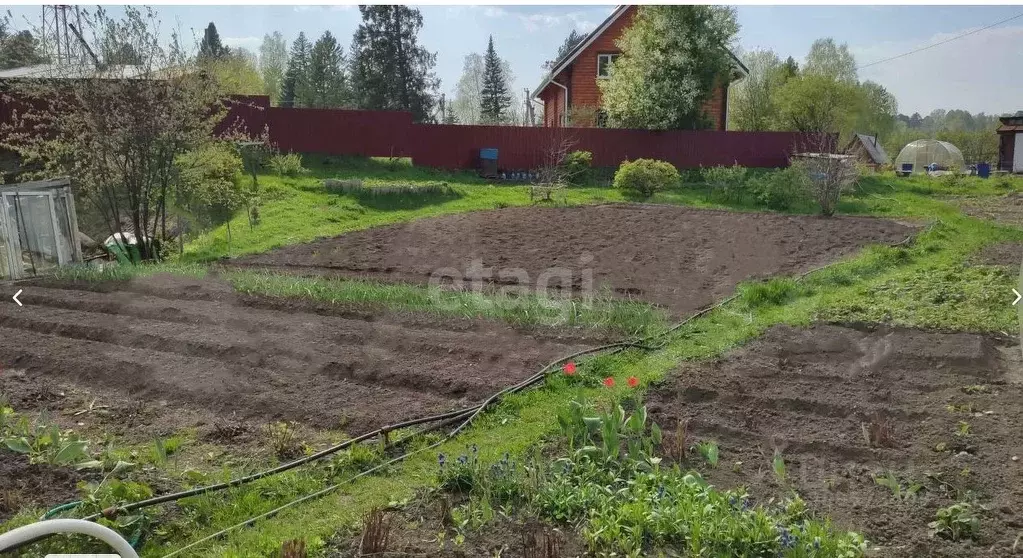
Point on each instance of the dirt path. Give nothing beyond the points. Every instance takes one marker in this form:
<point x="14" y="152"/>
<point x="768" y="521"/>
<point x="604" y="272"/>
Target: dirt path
<point x="194" y="344"/>
<point x="808" y="393"/>
<point x="678" y="257"/>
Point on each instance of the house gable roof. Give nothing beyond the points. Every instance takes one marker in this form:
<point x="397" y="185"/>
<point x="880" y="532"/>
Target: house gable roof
<point x="570" y="57"/>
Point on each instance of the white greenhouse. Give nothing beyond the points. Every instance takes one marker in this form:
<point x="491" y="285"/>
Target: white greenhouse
<point x="928" y="154"/>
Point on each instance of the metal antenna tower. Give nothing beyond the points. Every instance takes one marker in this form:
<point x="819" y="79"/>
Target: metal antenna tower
<point x="58" y="40"/>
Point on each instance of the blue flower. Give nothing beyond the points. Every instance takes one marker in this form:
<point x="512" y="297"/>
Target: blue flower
<point x="440" y="460"/>
<point x="463" y="459"/>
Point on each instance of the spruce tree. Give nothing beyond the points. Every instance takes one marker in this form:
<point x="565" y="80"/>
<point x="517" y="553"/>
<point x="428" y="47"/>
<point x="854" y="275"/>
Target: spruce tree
<point x="495" y="99"/>
<point x="295" y="90"/>
<point x="390" y="70"/>
<point x="211" y="48"/>
<point x="327" y="85"/>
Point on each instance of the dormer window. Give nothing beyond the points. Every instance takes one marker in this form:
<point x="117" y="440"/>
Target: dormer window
<point x="604" y="62"/>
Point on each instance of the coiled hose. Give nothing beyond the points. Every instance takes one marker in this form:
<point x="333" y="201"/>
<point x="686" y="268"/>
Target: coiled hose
<point x="42" y="529"/>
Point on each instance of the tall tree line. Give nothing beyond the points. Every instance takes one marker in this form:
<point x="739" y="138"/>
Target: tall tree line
<point x="385" y="68"/>
<point x="825" y="94"/>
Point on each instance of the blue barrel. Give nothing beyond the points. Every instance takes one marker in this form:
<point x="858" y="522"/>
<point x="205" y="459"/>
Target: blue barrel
<point x="983" y="170"/>
<point x="489" y="154"/>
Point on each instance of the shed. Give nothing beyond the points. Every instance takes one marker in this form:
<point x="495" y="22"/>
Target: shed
<point x="1010" y="143"/>
<point x="867" y="150"/>
<point x="38" y="228"/>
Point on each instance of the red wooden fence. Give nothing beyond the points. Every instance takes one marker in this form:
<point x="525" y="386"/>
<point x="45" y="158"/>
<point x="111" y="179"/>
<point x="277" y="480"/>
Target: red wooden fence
<point x="393" y="134"/>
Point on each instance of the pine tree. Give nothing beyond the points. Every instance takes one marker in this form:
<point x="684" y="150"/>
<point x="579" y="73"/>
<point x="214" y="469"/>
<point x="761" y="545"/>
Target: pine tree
<point x="495" y="100"/>
<point x="19" y="49"/>
<point x="295" y="90"/>
<point x="326" y="74"/>
<point x="573" y="39"/>
<point x="211" y="47"/>
<point x="390" y="70"/>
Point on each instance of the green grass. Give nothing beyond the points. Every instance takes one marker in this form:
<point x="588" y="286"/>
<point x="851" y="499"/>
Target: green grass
<point x="529" y="310"/>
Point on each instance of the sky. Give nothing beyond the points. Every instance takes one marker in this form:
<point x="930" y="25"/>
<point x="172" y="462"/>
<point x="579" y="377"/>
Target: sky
<point x="980" y="72"/>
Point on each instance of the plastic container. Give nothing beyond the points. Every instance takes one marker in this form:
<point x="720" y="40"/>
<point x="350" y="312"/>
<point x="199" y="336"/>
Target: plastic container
<point x="983" y="170"/>
<point x="488" y="154"/>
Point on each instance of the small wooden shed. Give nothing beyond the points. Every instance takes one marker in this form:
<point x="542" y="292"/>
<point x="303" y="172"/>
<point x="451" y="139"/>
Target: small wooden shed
<point x="1010" y="144"/>
<point x="867" y="150"/>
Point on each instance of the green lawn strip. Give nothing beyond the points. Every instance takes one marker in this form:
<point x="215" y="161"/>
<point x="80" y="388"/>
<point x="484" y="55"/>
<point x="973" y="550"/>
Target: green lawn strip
<point x="528" y="310"/>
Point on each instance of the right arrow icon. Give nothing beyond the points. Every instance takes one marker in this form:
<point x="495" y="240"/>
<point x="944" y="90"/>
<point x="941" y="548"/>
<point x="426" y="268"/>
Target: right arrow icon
<point x="1018" y="296"/>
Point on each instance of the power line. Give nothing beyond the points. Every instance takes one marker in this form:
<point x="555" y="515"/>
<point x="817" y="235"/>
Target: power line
<point x="1017" y="16"/>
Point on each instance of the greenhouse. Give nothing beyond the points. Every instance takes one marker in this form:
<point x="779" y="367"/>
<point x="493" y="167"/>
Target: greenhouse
<point x="927" y="154"/>
<point x="38" y="228"/>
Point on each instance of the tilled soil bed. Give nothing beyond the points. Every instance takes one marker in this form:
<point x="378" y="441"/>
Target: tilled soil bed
<point x="194" y="345"/>
<point x="810" y="394"/>
<point x="680" y="258"/>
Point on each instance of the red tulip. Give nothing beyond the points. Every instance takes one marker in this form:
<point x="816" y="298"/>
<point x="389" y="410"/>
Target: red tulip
<point x="632" y="381"/>
<point x="609" y="382"/>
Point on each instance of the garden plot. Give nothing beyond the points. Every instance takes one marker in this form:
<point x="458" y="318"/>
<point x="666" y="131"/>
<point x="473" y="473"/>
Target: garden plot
<point x="680" y="258"/>
<point x="195" y="348"/>
<point x="942" y="413"/>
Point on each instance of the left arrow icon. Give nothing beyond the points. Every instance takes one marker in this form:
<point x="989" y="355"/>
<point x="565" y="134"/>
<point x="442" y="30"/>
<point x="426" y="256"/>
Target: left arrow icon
<point x="1014" y="291"/>
<point x="17" y="294"/>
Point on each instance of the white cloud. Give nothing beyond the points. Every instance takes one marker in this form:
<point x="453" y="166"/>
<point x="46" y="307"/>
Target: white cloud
<point x="974" y="73"/>
<point x="539" y="21"/>
<point x="250" y="43"/>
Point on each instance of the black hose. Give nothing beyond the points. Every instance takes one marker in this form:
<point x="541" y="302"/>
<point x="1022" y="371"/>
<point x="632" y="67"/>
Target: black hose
<point x="114" y="511"/>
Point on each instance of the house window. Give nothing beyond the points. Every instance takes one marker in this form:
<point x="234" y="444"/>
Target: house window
<point x="604" y="62"/>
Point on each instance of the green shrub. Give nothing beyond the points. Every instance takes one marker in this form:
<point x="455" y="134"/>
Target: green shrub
<point x="212" y="183"/>
<point x="782" y="189"/>
<point x="729" y="183"/>
<point x="646" y="176"/>
<point x="576" y="166"/>
<point x="286" y="164"/>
